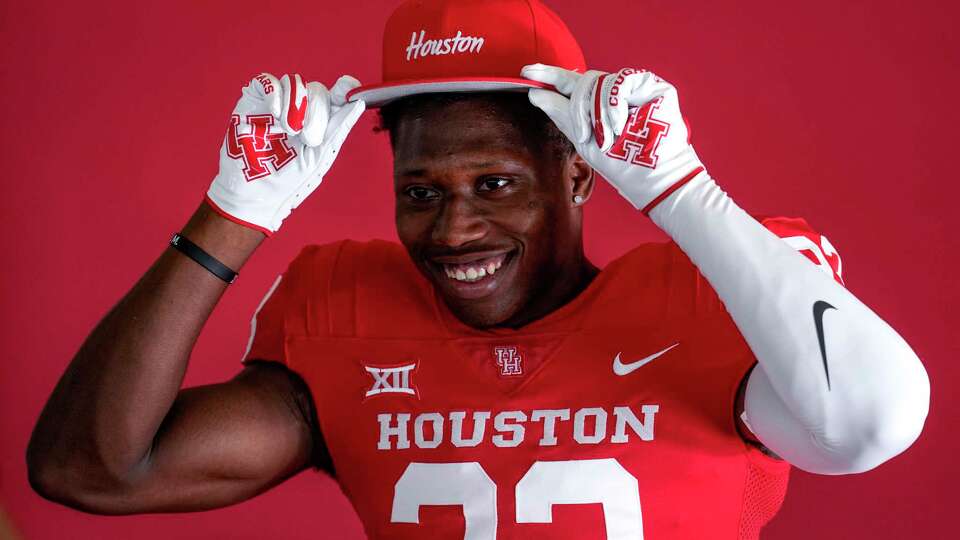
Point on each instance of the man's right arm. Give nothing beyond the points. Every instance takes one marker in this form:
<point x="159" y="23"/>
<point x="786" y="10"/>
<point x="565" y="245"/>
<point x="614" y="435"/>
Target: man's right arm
<point x="118" y="435"/>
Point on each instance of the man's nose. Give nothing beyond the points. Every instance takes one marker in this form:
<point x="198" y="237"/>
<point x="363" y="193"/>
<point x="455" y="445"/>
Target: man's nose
<point x="459" y="223"/>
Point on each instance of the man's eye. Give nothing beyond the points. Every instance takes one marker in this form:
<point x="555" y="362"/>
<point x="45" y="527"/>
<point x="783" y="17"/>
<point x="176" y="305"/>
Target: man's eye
<point x="493" y="183"/>
<point x="420" y="193"/>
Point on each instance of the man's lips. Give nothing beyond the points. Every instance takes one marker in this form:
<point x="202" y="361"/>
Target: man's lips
<point x="474" y="270"/>
<point x="471" y="275"/>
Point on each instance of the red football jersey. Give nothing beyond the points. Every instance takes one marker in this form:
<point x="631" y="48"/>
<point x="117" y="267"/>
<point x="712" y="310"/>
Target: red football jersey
<point x="612" y="417"/>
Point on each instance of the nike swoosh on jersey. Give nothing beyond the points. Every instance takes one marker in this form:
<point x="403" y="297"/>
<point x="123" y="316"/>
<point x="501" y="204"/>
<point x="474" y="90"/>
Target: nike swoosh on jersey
<point x="818" y="308"/>
<point x="624" y="369"/>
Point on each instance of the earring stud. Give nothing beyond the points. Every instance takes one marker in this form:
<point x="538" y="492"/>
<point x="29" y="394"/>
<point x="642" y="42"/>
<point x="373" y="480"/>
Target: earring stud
<point x="577" y="199"/>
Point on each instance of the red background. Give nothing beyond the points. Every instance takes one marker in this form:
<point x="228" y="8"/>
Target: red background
<point x="841" y="112"/>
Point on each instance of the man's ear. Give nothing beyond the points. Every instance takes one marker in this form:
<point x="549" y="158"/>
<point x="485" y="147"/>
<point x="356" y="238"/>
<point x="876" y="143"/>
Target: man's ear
<point x="581" y="177"/>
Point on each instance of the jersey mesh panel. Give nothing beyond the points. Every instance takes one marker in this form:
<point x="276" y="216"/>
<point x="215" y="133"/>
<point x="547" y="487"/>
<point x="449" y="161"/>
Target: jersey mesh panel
<point x="764" y="490"/>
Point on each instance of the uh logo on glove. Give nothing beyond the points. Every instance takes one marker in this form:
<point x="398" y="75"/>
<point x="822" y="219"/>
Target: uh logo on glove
<point x="261" y="146"/>
<point x="626" y="125"/>
<point x="282" y="139"/>
<point x="642" y="133"/>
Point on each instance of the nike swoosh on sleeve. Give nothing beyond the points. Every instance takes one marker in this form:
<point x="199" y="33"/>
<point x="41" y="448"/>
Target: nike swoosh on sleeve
<point x="818" y="308"/>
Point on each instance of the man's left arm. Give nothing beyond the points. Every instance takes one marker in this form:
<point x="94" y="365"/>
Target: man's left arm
<point x="836" y="389"/>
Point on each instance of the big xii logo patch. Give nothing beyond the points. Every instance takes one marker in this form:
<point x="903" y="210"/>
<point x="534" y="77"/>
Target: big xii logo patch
<point x="391" y="380"/>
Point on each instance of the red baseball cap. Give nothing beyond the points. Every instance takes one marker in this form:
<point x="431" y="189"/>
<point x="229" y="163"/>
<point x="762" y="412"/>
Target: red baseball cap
<point x="468" y="46"/>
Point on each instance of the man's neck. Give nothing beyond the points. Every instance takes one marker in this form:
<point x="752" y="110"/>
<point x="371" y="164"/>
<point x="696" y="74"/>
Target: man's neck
<point x="548" y="300"/>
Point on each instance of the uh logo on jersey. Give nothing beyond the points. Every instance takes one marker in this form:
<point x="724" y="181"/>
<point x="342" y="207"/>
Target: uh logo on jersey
<point x="259" y="147"/>
<point x="509" y="361"/>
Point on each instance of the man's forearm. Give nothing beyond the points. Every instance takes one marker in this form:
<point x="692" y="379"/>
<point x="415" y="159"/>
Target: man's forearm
<point x="860" y="400"/>
<point x="106" y="409"/>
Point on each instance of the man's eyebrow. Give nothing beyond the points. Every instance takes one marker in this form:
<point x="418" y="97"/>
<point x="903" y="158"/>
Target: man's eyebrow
<point x="483" y="164"/>
<point x="418" y="172"/>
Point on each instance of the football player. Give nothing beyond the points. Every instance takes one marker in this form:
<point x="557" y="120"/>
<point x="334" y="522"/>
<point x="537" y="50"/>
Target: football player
<point x="484" y="379"/>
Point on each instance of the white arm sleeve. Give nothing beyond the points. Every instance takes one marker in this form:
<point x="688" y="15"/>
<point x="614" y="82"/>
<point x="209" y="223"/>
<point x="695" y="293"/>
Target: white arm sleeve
<point x="847" y="409"/>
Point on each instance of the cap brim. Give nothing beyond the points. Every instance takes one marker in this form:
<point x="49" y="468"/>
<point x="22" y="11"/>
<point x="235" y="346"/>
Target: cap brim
<point x="377" y="95"/>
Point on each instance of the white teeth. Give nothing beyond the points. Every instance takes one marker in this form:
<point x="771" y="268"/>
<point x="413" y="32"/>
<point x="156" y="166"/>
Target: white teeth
<point x="472" y="273"/>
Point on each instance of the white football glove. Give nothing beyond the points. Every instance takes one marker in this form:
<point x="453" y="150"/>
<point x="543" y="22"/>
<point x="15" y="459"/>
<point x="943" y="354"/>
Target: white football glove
<point x="281" y="141"/>
<point x="626" y="125"/>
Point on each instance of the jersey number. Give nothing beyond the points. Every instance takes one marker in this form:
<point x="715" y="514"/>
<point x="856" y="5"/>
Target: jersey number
<point x="545" y="484"/>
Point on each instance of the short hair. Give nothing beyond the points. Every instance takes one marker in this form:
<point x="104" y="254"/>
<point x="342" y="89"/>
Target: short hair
<point x="537" y="129"/>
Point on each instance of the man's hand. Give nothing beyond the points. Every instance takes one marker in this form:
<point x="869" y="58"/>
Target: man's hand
<point x="626" y="125"/>
<point x="282" y="139"/>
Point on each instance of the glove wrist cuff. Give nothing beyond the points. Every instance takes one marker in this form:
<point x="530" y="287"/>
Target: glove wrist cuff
<point x="674" y="211"/>
<point x="227" y="215"/>
<point x="670" y="190"/>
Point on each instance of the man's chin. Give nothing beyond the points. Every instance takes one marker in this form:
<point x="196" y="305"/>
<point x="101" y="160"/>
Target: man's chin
<point x="482" y="313"/>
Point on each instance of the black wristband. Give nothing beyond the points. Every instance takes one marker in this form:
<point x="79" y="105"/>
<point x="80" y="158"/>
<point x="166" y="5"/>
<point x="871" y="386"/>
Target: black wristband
<point x="203" y="258"/>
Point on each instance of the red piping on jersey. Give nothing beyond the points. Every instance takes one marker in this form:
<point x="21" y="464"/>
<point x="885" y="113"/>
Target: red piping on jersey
<point x="222" y="212"/>
<point x="646" y="209"/>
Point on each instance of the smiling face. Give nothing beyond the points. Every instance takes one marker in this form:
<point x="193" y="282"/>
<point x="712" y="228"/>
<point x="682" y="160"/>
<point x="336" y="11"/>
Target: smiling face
<point x="484" y="206"/>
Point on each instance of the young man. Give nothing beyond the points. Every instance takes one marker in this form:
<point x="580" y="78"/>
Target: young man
<point x="485" y="377"/>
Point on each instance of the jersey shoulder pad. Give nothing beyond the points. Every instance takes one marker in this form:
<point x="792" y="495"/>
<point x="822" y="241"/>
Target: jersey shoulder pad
<point x="641" y="286"/>
<point x="343" y="289"/>
<point x="797" y="233"/>
<point x="377" y="292"/>
<point x="290" y="307"/>
<point x="688" y="292"/>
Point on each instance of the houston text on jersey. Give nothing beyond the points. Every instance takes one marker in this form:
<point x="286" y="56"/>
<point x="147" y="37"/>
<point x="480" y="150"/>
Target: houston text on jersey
<point x="591" y="425"/>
